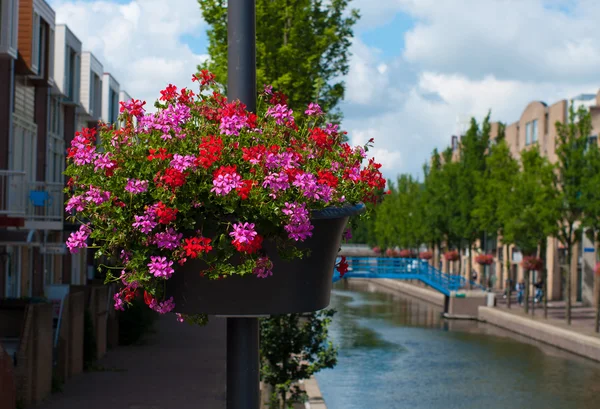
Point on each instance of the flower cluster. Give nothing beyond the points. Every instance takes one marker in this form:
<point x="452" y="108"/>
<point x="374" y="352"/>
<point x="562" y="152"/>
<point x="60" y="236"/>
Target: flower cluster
<point x="406" y="254"/>
<point x="532" y="263"/>
<point x="451" y="255"/>
<point x="426" y="255"/>
<point x="204" y="178"/>
<point x="484" y="259"/>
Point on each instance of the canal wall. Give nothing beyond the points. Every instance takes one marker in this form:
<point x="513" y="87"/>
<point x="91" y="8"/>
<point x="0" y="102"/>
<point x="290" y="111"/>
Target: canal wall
<point x="406" y="288"/>
<point x="580" y="344"/>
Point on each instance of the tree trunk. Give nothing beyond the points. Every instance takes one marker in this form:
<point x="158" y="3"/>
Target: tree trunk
<point x="526" y="298"/>
<point x="469" y="261"/>
<point x="509" y="285"/>
<point x="533" y="298"/>
<point x="543" y="255"/>
<point x="568" y="285"/>
<point x="597" y="321"/>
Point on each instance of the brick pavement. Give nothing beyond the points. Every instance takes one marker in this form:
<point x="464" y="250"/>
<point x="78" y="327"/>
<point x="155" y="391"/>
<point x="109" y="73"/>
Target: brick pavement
<point x="179" y="367"/>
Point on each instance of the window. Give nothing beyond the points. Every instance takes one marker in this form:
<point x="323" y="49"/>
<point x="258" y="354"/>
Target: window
<point x="534" y="136"/>
<point x="56" y="144"/>
<point x="42" y="48"/>
<point x="527" y="133"/>
<point x="113" y="106"/>
<point x="454" y="142"/>
<point x="592" y="141"/>
<point x="531" y="132"/>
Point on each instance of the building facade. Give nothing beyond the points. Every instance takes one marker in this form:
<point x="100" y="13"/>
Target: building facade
<point x="55" y="88"/>
<point x="536" y="126"/>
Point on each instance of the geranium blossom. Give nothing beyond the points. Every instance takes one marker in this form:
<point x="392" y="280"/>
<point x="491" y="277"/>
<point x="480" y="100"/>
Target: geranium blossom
<point x="203" y="180"/>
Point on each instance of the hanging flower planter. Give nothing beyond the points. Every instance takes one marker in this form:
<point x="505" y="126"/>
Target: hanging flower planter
<point x="208" y="208"/>
<point x="406" y="254"/>
<point x="377" y="250"/>
<point x="484" y="259"/>
<point x="597" y="269"/>
<point x="389" y="253"/>
<point x="532" y="263"/>
<point x="426" y="255"/>
<point x="451" y="255"/>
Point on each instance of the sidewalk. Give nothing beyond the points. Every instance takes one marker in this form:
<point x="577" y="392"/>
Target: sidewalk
<point x="179" y="367"/>
<point x="582" y="318"/>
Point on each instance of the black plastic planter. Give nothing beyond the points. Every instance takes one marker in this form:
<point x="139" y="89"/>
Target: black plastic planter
<point x="300" y="285"/>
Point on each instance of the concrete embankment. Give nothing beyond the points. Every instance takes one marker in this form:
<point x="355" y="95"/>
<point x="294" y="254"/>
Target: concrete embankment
<point x="566" y="339"/>
<point x="577" y="343"/>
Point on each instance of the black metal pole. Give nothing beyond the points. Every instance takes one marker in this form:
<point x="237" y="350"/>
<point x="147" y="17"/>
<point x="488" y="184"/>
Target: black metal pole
<point x="241" y="52"/>
<point x="243" y="389"/>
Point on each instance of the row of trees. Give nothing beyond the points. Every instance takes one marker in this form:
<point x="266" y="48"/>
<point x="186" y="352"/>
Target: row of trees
<point x="486" y="191"/>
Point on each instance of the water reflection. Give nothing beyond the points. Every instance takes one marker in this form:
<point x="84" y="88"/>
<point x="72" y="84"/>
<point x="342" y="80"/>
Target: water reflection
<point x="397" y="352"/>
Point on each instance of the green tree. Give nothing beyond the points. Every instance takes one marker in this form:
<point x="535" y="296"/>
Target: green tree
<point x="591" y="198"/>
<point x="433" y="202"/>
<point x="571" y="141"/>
<point x="294" y="347"/>
<point x="302" y="48"/>
<point x="530" y="209"/>
<point x="474" y="147"/>
<point x="494" y="187"/>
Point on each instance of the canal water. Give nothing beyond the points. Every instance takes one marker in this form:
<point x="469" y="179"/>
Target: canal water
<point x="396" y="352"/>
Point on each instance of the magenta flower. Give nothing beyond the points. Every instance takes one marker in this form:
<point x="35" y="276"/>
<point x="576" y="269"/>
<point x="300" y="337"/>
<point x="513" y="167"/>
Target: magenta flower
<point x="285" y="160"/>
<point x="299" y="227"/>
<point x="78" y="239"/>
<point x="163" y="307"/>
<point x="181" y="163"/>
<point x="75" y="202"/>
<point x="281" y="113"/>
<point x="276" y="181"/>
<point x="313" y="109"/>
<point x="103" y="161"/>
<point x="269" y="89"/>
<point x="161" y="267"/>
<point x="119" y="303"/>
<point x="243" y="232"/>
<point x="331" y="129"/>
<point x="264" y="267"/>
<point x="136" y="186"/>
<point x="223" y="184"/>
<point x="231" y="125"/>
<point x="145" y="223"/>
<point x="96" y="195"/>
<point x="169" y="239"/>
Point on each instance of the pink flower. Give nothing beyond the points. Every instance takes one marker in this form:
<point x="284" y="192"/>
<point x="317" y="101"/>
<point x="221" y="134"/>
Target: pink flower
<point x="243" y="232"/>
<point x="299" y="227"/>
<point x="276" y="181"/>
<point x="104" y="161"/>
<point x="161" y="267"/>
<point x="163" y="307"/>
<point x="181" y="163"/>
<point x="78" y="239"/>
<point x="96" y="195"/>
<point x="313" y="109"/>
<point x="169" y="239"/>
<point x="119" y="304"/>
<point x="231" y="125"/>
<point x="223" y="184"/>
<point x="75" y="202"/>
<point x="136" y="186"/>
<point x="281" y="113"/>
<point x="264" y="267"/>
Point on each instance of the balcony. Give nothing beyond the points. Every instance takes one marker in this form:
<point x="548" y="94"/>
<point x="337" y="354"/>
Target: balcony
<point x="32" y="205"/>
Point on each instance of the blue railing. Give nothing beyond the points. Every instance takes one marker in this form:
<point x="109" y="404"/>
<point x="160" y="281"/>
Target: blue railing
<point x="405" y="269"/>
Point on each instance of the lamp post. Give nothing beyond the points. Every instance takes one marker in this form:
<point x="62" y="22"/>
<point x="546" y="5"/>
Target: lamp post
<point x="243" y="391"/>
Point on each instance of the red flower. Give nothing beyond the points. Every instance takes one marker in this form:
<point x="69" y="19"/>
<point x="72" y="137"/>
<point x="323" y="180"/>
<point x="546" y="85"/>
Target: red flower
<point x="327" y="178"/>
<point x="225" y="170"/>
<point x="244" y="191"/>
<point x="254" y="153"/>
<point x="161" y="154"/>
<point x="249" y="247"/>
<point x="168" y="93"/>
<point x="186" y="96"/>
<point x="204" y="77"/>
<point x="278" y="98"/>
<point x="321" y="139"/>
<point x="136" y="107"/>
<point x="174" y="178"/>
<point x="426" y="255"/>
<point x="484" y="259"/>
<point x="210" y="151"/>
<point x="129" y="294"/>
<point x="166" y="214"/>
<point x="148" y="298"/>
<point x="342" y="266"/>
<point x="196" y="245"/>
<point x="451" y="255"/>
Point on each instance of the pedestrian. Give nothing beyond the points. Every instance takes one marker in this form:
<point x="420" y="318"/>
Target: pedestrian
<point x="539" y="290"/>
<point x="474" y="275"/>
<point x="520" y="289"/>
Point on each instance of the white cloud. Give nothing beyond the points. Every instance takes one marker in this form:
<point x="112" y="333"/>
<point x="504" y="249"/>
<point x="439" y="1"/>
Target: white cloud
<point x="139" y="42"/>
<point x="463" y="58"/>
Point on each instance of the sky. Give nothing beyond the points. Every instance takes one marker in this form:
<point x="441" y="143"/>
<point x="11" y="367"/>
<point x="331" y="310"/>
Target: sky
<point x="416" y="65"/>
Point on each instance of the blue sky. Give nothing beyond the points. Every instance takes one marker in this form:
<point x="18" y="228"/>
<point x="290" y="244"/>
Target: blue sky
<point x="416" y="65"/>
